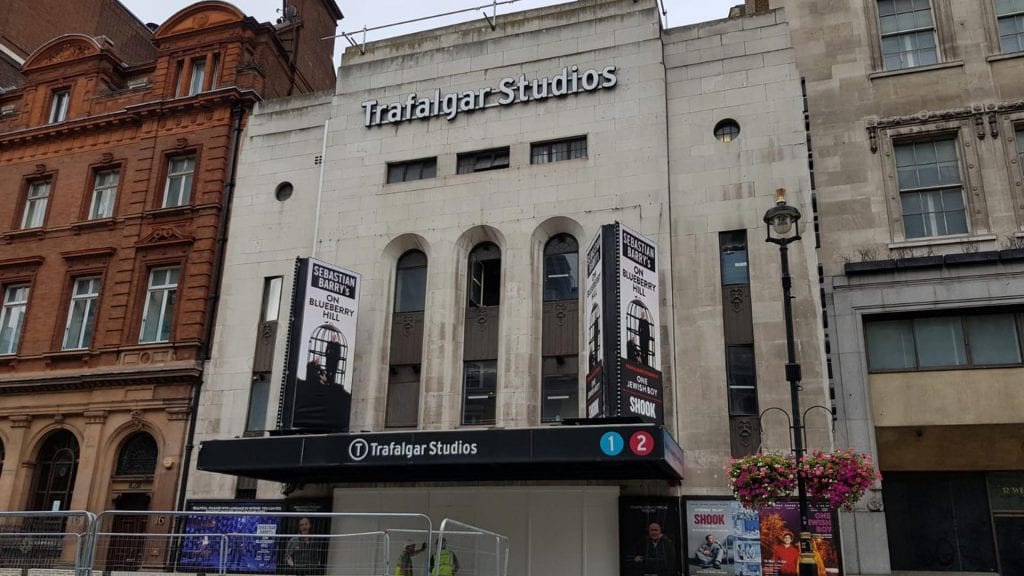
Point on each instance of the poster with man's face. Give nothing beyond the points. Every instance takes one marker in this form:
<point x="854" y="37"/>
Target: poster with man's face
<point x="649" y="536"/>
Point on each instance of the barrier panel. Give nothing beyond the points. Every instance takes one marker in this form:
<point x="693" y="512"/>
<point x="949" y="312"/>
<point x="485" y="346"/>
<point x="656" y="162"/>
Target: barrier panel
<point x="44" y="543"/>
<point x="201" y="543"/>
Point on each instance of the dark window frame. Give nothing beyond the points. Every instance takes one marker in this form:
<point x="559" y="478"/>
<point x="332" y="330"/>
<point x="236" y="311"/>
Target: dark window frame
<point x="423" y="165"/>
<point x="547" y="152"/>
<point x="470" y="162"/>
<point x="492" y="394"/>
<point x="1018" y="322"/>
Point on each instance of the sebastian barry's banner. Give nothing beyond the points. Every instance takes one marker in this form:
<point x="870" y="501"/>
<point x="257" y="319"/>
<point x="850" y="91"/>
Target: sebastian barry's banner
<point x="723" y="537"/>
<point x="321" y="341"/>
<point x="624" y="361"/>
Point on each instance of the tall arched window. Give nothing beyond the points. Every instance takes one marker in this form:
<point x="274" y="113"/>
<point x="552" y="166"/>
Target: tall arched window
<point x="406" y="341"/>
<point x="560" y="334"/>
<point x="56" y="469"/>
<point x="480" y="348"/>
<point x="138" y="455"/>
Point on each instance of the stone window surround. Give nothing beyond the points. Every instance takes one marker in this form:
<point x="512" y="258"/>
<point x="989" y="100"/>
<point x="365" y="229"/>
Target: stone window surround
<point x="944" y="27"/>
<point x="27" y="181"/>
<point x="974" y="198"/>
<point x="1012" y="122"/>
<point x="994" y="46"/>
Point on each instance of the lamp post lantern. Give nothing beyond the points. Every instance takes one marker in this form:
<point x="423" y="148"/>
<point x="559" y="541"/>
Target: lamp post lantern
<point x="784" y="221"/>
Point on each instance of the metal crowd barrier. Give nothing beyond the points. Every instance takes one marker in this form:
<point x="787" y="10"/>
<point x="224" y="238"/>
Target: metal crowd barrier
<point x="200" y="543"/>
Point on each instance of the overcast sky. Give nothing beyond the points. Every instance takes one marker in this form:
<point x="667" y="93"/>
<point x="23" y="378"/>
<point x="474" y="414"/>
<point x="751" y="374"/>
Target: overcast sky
<point x="370" y="13"/>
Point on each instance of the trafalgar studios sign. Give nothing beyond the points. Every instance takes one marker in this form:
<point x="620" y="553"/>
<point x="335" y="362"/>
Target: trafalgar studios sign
<point x="571" y="80"/>
<point x="623" y="356"/>
<point x="321" y="341"/>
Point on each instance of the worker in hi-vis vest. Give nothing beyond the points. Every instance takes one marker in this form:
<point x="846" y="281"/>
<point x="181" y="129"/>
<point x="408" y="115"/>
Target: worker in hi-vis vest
<point x="448" y="562"/>
<point x="404" y="566"/>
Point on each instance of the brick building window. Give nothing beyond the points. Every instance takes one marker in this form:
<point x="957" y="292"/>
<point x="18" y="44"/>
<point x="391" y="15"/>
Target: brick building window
<point x="1010" y="19"/>
<point x="197" y="77"/>
<point x="931" y="189"/>
<point x="35" y="204"/>
<point x="59" y="105"/>
<point x="12" y="317"/>
<point x="81" y="313"/>
<point x="558" y="150"/>
<point x="482" y="160"/>
<point x="178" y="189"/>
<point x="158" y="315"/>
<point x="907" y="30"/>
<point x="412" y="170"/>
<point x="104" y="192"/>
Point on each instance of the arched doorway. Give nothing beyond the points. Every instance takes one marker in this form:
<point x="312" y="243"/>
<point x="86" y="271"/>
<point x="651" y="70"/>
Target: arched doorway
<point x="132" y="484"/>
<point x="56" y="469"/>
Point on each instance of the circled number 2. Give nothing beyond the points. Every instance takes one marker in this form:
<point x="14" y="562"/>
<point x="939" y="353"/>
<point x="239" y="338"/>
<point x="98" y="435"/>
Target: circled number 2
<point x="641" y="443"/>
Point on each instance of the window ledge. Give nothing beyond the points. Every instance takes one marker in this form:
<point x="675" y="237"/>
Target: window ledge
<point x="25" y="233"/>
<point x="916" y="69"/>
<point x="942" y="241"/>
<point x="96" y="223"/>
<point x="1001" y="57"/>
<point x="70" y="354"/>
<point x="185" y="210"/>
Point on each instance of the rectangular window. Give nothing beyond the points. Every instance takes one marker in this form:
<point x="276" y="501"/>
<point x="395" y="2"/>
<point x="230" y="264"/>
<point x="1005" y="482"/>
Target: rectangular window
<point x="483" y="160"/>
<point x="216" y="72"/>
<point x="35" y="204"/>
<point x="733" y="250"/>
<point x="559" y="388"/>
<point x="81" y="313"/>
<point x="412" y="170"/>
<point x="908" y="33"/>
<point x="12" y="317"/>
<point x="485" y="283"/>
<point x="479" y="392"/>
<point x="104" y="192"/>
<point x="1020" y="149"/>
<point x="931" y="191"/>
<point x="272" y="298"/>
<point x="198" y="76"/>
<point x="178" y="189"/>
<point x="158" y="315"/>
<point x="403" y="396"/>
<point x="259" y="395"/>
<point x="558" y="150"/>
<point x="59" y="106"/>
<point x="944" y="342"/>
<point x="742" y="380"/>
<point x="1010" y="19"/>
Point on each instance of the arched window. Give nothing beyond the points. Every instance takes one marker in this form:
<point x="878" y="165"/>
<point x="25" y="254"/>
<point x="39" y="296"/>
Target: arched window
<point x="485" y="275"/>
<point x="56" y="469"/>
<point x="560" y="334"/>
<point x="561" y="269"/>
<point x="411" y="282"/>
<point x="138" y="455"/>
<point x="403" y="403"/>
<point x="480" y="348"/>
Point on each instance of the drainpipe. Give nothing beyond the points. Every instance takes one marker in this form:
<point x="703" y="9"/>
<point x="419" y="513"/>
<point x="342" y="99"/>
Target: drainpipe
<point x="213" y="297"/>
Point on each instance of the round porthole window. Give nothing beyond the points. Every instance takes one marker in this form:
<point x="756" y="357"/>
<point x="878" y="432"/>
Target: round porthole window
<point x="727" y="130"/>
<point x="283" y="191"/>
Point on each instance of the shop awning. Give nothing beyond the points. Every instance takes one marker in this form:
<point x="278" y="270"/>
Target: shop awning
<point x="614" y="452"/>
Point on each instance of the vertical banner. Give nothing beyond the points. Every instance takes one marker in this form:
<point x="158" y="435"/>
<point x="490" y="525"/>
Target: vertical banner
<point x="594" y="310"/>
<point x="623" y="359"/>
<point x="649" y="536"/>
<point x="640" y="361"/>
<point x="318" y="384"/>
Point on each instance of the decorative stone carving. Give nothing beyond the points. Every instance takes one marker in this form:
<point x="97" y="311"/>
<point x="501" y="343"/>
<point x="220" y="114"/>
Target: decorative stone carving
<point x="95" y="416"/>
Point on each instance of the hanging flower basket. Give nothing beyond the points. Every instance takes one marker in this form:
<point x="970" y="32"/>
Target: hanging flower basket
<point x="761" y="480"/>
<point x="838" y="479"/>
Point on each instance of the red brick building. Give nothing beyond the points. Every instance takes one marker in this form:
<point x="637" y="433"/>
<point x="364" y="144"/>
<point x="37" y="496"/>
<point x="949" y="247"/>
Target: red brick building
<point x="117" y="154"/>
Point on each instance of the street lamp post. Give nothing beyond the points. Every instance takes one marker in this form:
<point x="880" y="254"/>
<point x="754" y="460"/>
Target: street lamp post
<point x="784" y="221"/>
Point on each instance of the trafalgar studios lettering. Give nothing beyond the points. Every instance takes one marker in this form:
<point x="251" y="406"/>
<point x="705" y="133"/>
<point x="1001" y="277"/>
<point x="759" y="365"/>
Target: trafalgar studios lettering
<point x="571" y="80"/>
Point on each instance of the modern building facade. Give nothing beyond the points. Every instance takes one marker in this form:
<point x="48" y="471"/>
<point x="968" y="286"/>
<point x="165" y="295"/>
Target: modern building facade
<point x="916" y="122"/>
<point x="463" y="173"/>
<point x="117" y="155"/>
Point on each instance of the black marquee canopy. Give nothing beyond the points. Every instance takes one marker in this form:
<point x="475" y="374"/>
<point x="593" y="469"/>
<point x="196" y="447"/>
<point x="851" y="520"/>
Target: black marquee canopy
<point x="602" y="452"/>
